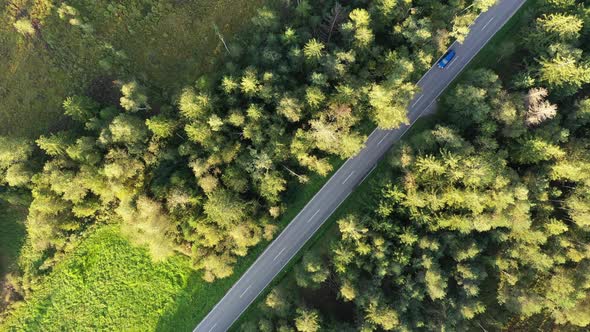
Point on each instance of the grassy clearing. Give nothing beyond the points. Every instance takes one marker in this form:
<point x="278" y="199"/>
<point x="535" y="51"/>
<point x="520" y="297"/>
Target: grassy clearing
<point x="166" y="44"/>
<point x="487" y="57"/>
<point x="106" y="284"/>
<point x="31" y="89"/>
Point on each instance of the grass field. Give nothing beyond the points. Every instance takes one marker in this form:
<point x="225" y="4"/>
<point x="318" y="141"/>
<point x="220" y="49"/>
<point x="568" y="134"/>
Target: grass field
<point x="105" y="284"/>
<point x="165" y="44"/>
<point x="31" y="89"/>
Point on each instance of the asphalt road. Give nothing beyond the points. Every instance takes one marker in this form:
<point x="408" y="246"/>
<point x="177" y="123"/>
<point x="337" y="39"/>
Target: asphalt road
<point x="350" y="175"/>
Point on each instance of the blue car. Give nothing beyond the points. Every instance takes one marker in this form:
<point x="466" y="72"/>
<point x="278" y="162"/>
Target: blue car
<point x="446" y="59"/>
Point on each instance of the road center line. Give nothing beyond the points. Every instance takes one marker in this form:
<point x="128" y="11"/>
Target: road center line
<point x="348" y="177"/>
<point x="280" y="252"/>
<point x="452" y="62"/>
<point x="318" y="211"/>
<point x="417" y="100"/>
<point x="244" y="293"/>
<point x="486" y="25"/>
<point x="212" y="327"/>
<point x="384" y="137"/>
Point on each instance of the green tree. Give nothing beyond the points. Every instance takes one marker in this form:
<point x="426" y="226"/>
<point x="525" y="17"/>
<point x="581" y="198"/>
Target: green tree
<point x="148" y="225"/>
<point x="389" y="112"/>
<point x="55" y="144"/>
<point x="24" y="27"/>
<point x="313" y="50"/>
<point x="564" y="72"/>
<point x="307" y="320"/>
<point x="128" y="129"/>
<point x="134" y="97"/>
<point x="162" y="126"/>
<point x="80" y="108"/>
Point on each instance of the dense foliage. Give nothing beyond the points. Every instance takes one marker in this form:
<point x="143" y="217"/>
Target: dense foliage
<point x="482" y="219"/>
<point x="205" y="174"/>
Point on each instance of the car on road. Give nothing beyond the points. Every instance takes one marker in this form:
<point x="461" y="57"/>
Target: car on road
<point x="446" y="59"/>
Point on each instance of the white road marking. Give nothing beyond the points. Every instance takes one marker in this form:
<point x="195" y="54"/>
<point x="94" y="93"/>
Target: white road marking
<point x="367" y="141"/>
<point x="452" y="62"/>
<point x="384" y="137"/>
<point x="244" y="293"/>
<point x="280" y="252"/>
<point x="212" y="327"/>
<point x="486" y="25"/>
<point x="417" y="100"/>
<point x="348" y="177"/>
<point x="318" y="211"/>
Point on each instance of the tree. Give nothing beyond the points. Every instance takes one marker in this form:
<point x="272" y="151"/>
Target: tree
<point x="560" y="27"/>
<point x="461" y="25"/>
<point x="360" y="21"/>
<point x="128" y="129"/>
<point x="18" y="175"/>
<point x="277" y="300"/>
<point x="55" y="144"/>
<point x="313" y="50"/>
<point x="271" y="186"/>
<point x="483" y="5"/>
<point x="564" y="72"/>
<point x="307" y="320"/>
<point x="380" y="315"/>
<point x="249" y="84"/>
<point x="24" y="27"/>
<point x="148" y="225"/>
<point x="14" y="161"/>
<point x="216" y="266"/>
<point x="290" y="108"/>
<point x="535" y="150"/>
<point x="314" y="97"/>
<point x="348" y="291"/>
<point x="194" y="105"/>
<point x="161" y="126"/>
<point x="134" y="98"/>
<point x="224" y="208"/>
<point x="312" y="271"/>
<point x="387" y="113"/>
<point x="539" y="109"/>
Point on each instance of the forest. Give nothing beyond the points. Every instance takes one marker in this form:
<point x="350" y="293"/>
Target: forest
<point x="156" y="180"/>
<point x="478" y="223"/>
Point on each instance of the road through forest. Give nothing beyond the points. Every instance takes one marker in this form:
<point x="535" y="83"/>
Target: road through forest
<point x="350" y="175"/>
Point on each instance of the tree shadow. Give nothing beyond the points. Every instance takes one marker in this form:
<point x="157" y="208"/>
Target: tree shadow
<point x="181" y="317"/>
<point x="12" y="236"/>
<point x="198" y="297"/>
